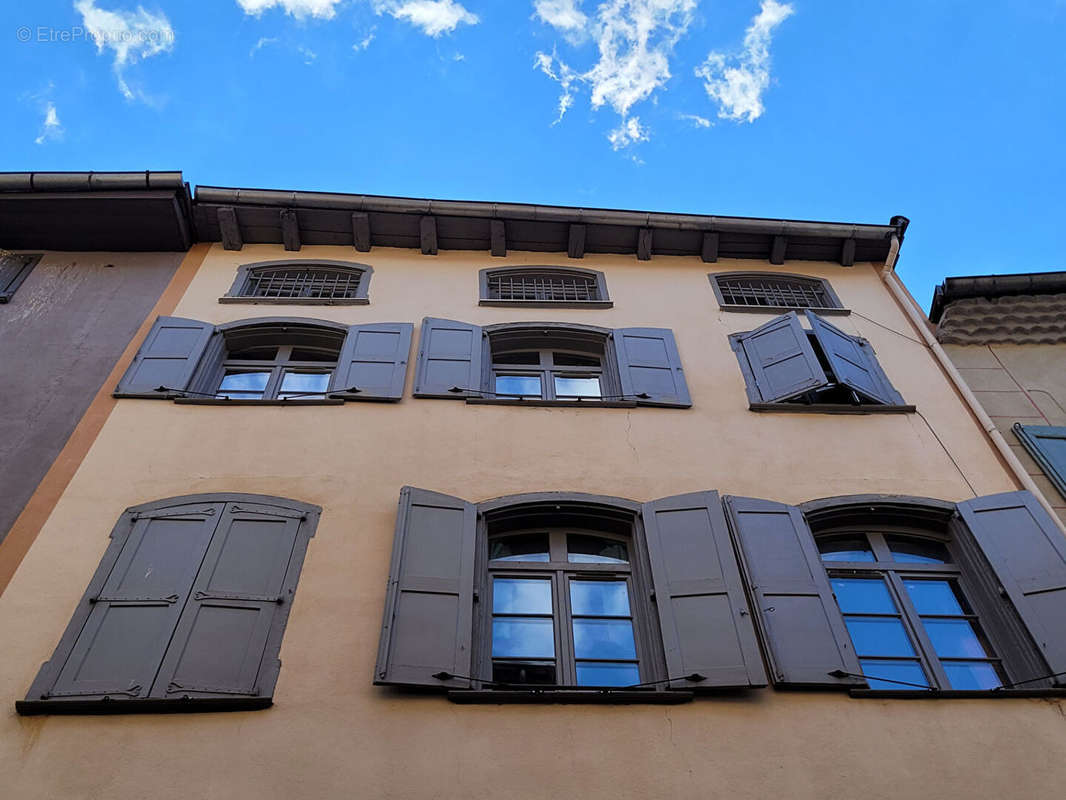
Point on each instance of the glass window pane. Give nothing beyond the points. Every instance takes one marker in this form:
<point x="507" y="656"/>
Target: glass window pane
<point x="522" y="385"/>
<point x="523" y="547"/>
<point x="909" y="671"/>
<point x="934" y="597"/>
<point x="583" y="549"/>
<point x="874" y="636"/>
<point x="542" y="673"/>
<point x="954" y="638"/>
<point x="845" y="548"/>
<point x="917" y="551"/>
<point x="607" y="674"/>
<point x="604" y="638"/>
<point x="972" y="676"/>
<point x="577" y="387"/>
<point x="304" y="383"/>
<point x="243" y="384"/>
<point x="863" y="596"/>
<point x="522" y="637"/>
<point x="521" y="596"/>
<point x="599" y="598"/>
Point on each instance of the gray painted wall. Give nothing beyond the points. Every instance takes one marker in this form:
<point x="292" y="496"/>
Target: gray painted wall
<point x="60" y="336"/>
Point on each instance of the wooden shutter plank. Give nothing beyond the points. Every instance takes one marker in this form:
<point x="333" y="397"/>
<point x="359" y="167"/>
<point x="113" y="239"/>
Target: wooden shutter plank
<point x="781" y="359"/>
<point x="373" y="360"/>
<point x="168" y="357"/>
<point x="449" y="356"/>
<point x="853" y="362"/>
<point x="649" y="364"/>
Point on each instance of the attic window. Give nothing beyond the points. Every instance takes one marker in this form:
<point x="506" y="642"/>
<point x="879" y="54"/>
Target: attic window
<point x="544" y="286"/>
<point x="773" y="292"/>
<point x="301" y="283"/>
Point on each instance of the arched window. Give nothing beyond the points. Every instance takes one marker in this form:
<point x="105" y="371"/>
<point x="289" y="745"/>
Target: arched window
<point x="551" y="364"/>
<point x="567" y="287"/>
<point x="773" y="291"/>
<point x="301" y="282"/>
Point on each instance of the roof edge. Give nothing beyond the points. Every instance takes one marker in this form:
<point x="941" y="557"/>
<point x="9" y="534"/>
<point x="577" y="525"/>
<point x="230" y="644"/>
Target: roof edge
<point x="992" y="286"/>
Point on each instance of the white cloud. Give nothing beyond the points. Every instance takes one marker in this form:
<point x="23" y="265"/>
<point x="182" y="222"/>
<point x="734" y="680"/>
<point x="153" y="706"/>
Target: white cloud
<point x="308" y="54"/>
<point x="565" y="16"/>
<point x="300" y="9"/>
<point x="737" y="82"/>
<point x="434" y="17"/>
<point x="697" y="120"/>
<point x="131" y="35"/>
<point x="51" y="129"/>
<point x="364" y="43"/>
<point x="263" y="42"/>
<point x="629" y="132"/>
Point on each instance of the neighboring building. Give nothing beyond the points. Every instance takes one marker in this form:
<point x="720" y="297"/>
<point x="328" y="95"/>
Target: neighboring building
<point x="636" y="502"/>
<point x="1006" y="334"/>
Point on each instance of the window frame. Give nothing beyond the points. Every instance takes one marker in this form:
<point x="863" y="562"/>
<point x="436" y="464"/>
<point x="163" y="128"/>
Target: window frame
<point x="836" y="309"/>
<point x="281" y="365"/>
<point x="29" y="261"/>
<point x="484" y="276"/>
<point x="238" y="291"/>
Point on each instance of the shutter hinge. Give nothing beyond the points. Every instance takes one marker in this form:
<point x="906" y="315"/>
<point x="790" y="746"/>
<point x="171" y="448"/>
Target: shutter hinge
<point x="477" y="597"/>
<point x="170" y="599"/>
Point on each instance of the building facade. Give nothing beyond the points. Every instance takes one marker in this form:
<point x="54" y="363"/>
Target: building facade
<point x="446" y="499"/>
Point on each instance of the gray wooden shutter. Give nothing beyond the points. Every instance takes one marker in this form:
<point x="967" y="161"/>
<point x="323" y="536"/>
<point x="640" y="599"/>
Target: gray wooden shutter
<point x="374" y="361"/>
<point x="13" y="271"/>
<point x="115" y="642"/>
<point x="228" y="637"/>
<point x="428" y="621"/>
<point x="703" y="613"/>
<point x="801" y="624"/>
<point x="449" y="357"/>
<point x="854" y="362"/>
<point x="781" y="359"/>
<point x="168" y="357"/>
<point x="649" y="367"/>
<point x="1027" y="551"/>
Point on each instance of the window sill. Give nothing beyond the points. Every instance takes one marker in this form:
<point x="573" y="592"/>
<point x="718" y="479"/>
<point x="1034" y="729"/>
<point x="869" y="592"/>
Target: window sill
<point x="831" y="312"/>
<point x="216" y="401"/>
<point x="31" y="708"/>
<point x="830" y="408"/>
<point x="546" y="303"/>
<point x="950" y="694"/>
<point x="296" y="301"/>
<point x="495" y="401"/>
<point x="591" y="696"/>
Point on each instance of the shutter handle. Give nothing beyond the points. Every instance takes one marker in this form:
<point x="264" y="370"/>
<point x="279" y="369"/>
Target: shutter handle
<point x="743" y="612"/>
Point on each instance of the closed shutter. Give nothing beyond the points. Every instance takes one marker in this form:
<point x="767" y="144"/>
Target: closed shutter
<point x="703" y="613"/>
<point x="373" y="361"/>
<point x="115" y="643"/>
<point x="853" y="362"/>
<point x="449" y="357"/>
<point x="227" y="640"/>
<point x="428" y="619"/>
<point x="649" y="367"/>
<point x="782" y="361"/>
<point x="1027" y="551"/>
<point x="168" y="358"/>
<point x="801" y="624"/>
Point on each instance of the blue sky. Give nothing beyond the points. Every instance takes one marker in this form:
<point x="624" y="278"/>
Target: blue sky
<point x="951" y="113"/>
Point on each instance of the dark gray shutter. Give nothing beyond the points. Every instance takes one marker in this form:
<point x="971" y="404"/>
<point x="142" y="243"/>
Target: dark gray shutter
<point x="703" y="613"/>
<point x="168" y="357"/>
<point x="428" y="619"/>
<point x="1027" y="551"/>
<point x="853" y="362"/>
<point x="13" y="271"/>
<point x="449" y="357"/>
<point x="801" y="623"/>
<point x="1047" y="445"/>
<point x="650" y="367"/>
<point x="229" y="634"/>
<point x="781" y="359"/>
<point x="120" y="630"/>
<point x="374" y="361"/>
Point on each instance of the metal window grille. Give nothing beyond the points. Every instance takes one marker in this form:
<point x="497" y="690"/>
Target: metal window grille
<point x="308" y="283"/>
<point x="540" y="286"/>
<point x="776" y="292"/>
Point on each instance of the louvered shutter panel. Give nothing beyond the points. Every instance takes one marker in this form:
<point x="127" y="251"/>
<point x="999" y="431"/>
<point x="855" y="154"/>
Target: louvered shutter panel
<point x="801" y="624"/>
<point x="115" y="643"/>
<point x="449" y="357"/>
<point x="854" y="362"/>
<point x="703" y="613"/>
<point x="374" y="361"/>
<point x="1027" y="551"/>
<point x="781" y="359"/>
<point x="428" y="619"/>
<point x="169" y="357"/>
<point x="227" y="640"/>
<point x="649" y="367"/>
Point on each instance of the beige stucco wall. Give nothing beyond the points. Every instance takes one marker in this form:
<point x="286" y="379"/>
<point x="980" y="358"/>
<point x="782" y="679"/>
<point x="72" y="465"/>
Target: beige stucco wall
<point x="332" y="734"/>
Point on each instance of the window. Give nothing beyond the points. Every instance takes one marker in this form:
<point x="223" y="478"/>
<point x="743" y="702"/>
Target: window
<point x="541" y="363"/>
<point x="301" y="282"/>
<point x="788" y="368"/>
<point x="281" y="360"/>
<point x="14" y="267"/>
<point x="566" y="287"/>
<point x="1047" y="446"/>
<point x="186" y="611"/>
<point x="768" y="291"/>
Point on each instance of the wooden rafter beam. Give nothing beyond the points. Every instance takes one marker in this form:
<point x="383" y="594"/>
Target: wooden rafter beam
<point x="777" y="250"/>
<point x="644" y="242"/>
<point x="576" y="246"/>
<point x="498" y="237"/>
<point x="361" y="231"/>
<point x="847" y="253"/>
<point x="427" y="227"/>
<point x="290" y="229"/>
<point x="709" y="251"/>
<point x="230" y="228"/>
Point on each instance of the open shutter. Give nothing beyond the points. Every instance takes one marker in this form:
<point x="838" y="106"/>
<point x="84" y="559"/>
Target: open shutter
<point x="782" y="360"/>
<point x="853" y="362"/>
<point x="801" y="623"/>
<point x="650" y="367"/>
<point x="227" y="640"/>
<point x="115" y="643"/>
<point x="449" y="357"/>
<point x="1027" y="551"/>
<point x="168" y="357"/>
<point x="13" y="271"/>
<point x="703" y="613"/>
<point x="374" y="361"/>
